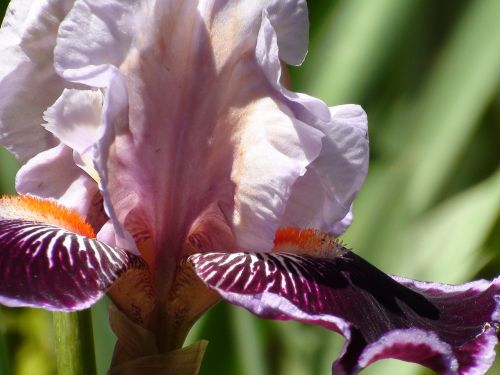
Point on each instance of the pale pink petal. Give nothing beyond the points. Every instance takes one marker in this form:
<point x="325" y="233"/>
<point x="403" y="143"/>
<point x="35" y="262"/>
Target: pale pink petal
<point x="90" y="58"/>
<point x="28" y="86"/>
<point x="52" y="174"/>
<point x="187" y="139"/>
<point x="290" y="21"/>
<point x="277" y="149"/>
<point x="101" y="33"/>
<point x="75" y="118"/>
<point x="28" y="82"/>
<point x="96" y="33"/>
<point x="322" y="197"/>
<point x="344" y="156"/>
<point x="238" y="21"/>
<point x="215" y="138"/>
<point x="340" y="226"/>
<point x="305" y="107"/>
<point x="107" y="234"/>
<point x="114" y="121"/>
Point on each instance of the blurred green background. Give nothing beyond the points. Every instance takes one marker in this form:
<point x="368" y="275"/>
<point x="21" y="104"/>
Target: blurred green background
<point x="427" y="73"/>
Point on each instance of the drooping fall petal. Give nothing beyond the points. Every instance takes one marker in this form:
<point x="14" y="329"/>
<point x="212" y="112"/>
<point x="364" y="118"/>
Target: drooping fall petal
<point x="49" y="259"/>
<point x="451" y="329"/>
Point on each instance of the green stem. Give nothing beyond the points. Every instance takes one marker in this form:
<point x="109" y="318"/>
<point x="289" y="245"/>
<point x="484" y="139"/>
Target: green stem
<point x="74" y="343"/>
<point x="4" y="355"/>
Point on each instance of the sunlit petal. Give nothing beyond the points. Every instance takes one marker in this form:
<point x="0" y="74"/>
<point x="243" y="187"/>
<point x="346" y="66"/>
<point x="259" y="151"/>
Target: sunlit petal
<point x="28" y="81"/>
<point x="209" y="101"/>
<point x="267" y="52"/>
<point x="52" y="174"/>
<point x="75" y="119"/>
<point x="322" y="197"/>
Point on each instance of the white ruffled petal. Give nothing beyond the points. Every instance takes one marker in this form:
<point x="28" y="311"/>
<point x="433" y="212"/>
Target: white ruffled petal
<point x="340" y="226"/>
<point x="215" y="55"/>
<point x="201" y="103"/>
<point x="52" y="174"/>
<point x="305" y="107"/>
<point x="91" y="58"/>
<point x="75" y="119"/>
<point x="28" y="82"/>
<point x="322" y="197"/>
<point x="96" y="33"/>
<point x="291" y="24"/>
<point x="239" y="20"/>
<point x="343" y="161"/>
<point x="277" y="150"/>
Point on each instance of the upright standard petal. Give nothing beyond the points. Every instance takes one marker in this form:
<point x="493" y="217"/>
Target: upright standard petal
<point x="196" y="115"/>
<point x="29" y="85"/>
<point x="450" y="329"/>
<point x="90" y="58"/>
<point x="28" y="81"/>
<point x="52" y="174"/>
<point x="323" y="196"/>
<point x="75" y="119"/>
<point x="49" y="259"/>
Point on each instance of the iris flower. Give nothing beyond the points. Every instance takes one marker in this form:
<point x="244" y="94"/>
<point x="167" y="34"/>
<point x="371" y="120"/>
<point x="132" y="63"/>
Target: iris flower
<point x="166" y="163"/>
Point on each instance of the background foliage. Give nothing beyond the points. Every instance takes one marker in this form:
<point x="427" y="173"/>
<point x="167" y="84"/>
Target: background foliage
<point x="428" y="75"/>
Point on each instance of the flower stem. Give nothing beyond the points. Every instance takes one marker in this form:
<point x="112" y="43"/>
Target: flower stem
<point x="4" y="357"/>
<point x="74" y="343"/>
<point x="4" y="353"/>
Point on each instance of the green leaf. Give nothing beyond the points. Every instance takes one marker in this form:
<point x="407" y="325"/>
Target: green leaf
<point x="457" y="92"/>
<point x="104" y="338"/>
<point x="447" y="238"/>
<point x="353" y="46"/>
<point x="4" y="354"/>
<point x="8" y="170"/>
<point x="248" y="343"/>
<point x="222" y="355"/>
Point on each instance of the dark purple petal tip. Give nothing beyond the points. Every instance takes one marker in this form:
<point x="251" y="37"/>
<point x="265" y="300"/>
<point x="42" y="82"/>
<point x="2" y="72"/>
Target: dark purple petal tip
<point x="450" y="329"/>
<point x="49" y="267"/>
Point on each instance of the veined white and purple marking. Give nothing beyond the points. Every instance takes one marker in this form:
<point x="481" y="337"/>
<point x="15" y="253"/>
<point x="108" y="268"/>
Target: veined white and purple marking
<point x="451" y="329"/>
<point x="46" y="266"/>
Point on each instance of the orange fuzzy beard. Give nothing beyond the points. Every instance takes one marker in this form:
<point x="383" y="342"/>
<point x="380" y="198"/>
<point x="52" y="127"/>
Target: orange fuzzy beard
<point x="305" y="241"/>
<point x="24" y="207"/>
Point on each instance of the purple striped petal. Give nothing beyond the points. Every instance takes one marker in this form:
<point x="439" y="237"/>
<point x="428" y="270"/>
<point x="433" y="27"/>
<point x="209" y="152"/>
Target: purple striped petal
<point x="52" y="268"/>
<point x="450" y="329"/>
